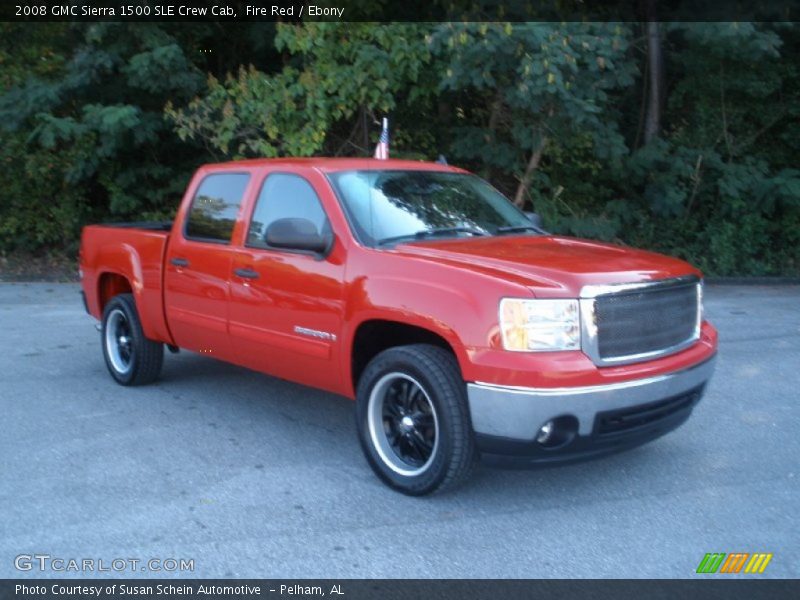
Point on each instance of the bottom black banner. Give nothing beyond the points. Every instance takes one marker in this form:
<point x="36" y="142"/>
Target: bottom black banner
<point x="351" y="589"/>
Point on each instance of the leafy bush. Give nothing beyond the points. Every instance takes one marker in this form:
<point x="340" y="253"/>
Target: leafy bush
<point x="108" y="120"/>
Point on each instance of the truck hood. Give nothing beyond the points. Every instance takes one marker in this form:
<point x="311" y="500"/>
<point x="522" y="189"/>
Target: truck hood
<point x="551" y="266"/>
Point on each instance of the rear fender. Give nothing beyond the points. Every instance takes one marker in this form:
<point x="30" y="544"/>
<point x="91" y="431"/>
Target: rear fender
<point x="127" y="273"/>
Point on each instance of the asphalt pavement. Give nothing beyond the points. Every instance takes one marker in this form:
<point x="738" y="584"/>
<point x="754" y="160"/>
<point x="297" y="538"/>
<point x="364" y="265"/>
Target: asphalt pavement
<point x="251" y="476"/>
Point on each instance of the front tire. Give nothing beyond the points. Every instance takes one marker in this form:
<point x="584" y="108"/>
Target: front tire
<point x="131" y="358"/>
<point x="413" y="419"/>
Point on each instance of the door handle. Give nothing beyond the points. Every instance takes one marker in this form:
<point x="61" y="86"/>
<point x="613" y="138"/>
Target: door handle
<point x="246" y="273"/>
<point x="179" y="262"/>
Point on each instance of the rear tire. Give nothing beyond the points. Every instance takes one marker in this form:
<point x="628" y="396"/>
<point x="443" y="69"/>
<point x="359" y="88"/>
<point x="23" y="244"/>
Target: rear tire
<point x="413" y="419"/>
<point x="131" y="358"/>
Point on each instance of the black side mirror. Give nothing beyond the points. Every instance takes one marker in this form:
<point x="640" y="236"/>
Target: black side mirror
<point x="297" y="234"/>
<point x="536" y="219"/>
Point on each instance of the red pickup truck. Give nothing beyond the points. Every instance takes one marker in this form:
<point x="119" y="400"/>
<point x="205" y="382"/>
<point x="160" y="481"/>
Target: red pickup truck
<point x="460" y="328"/>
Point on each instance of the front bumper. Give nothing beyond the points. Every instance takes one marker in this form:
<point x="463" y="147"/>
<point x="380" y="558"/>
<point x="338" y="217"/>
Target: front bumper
<point x="606" y="418"/>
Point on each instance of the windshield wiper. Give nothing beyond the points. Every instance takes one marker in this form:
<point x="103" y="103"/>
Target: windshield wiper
<point x="428" y="233"/>
<point x="517" y="229"/>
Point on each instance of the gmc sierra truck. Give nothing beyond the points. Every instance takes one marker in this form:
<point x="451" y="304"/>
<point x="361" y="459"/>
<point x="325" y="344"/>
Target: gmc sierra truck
<point x="459" y="327"/>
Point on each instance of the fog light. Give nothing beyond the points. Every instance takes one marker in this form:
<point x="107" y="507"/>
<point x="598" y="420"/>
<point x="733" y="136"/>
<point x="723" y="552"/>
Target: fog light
<point x="545" y="432"/>
<point x="558" y="432"/>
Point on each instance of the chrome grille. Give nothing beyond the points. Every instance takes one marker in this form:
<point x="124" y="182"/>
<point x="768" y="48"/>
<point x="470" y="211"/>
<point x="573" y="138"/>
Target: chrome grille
<point x="641" y="321"/>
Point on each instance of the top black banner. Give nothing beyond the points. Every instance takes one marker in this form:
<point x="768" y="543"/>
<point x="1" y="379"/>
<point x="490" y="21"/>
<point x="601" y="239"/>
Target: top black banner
<point x="399" y="10"/>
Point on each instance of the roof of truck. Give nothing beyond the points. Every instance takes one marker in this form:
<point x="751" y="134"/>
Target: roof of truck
<point x="327" y="164"/>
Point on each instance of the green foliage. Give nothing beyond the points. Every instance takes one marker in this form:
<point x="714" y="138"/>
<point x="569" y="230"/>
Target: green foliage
<point x="39" y="209"/>
<point x="335" y="73"/>
<point x="92" y="112"/>
<point x="109" y="120"/>
<point x="91" y="108"/>
<point x="539" y="81"/>
<point x="720" y="186"/>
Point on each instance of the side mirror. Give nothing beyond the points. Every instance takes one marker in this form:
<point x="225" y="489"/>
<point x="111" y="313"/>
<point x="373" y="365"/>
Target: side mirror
<point x="536" y="219"/>
<point x="297" y="234"/>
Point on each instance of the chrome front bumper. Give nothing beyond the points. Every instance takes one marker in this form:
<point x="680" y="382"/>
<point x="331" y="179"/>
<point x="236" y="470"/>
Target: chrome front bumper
<point x="518" y="413"/>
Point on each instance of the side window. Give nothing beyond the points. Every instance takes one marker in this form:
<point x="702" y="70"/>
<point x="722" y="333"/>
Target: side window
<point x="215" y="206"/>
<point x="284" y="196"/>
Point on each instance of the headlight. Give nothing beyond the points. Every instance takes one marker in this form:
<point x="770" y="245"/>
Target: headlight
<point x="536" y="325"/>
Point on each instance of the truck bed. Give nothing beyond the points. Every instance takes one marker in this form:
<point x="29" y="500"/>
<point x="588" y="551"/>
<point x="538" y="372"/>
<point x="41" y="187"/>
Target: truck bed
<point x="127" y="257"/>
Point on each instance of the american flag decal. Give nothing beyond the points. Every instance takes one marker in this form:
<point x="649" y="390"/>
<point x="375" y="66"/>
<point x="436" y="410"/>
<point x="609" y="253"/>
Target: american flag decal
<point x="382" y="149"/>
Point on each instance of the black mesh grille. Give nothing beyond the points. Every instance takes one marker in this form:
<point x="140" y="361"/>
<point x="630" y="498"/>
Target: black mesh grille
<point x="646" y="321"/>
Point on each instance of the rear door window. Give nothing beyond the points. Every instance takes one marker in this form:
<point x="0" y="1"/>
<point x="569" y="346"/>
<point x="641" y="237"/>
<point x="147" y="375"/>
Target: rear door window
<point x="215" y="206"/>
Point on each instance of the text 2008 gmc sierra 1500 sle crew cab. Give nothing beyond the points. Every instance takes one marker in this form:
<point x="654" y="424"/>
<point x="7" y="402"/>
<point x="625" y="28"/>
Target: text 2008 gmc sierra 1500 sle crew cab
<point x="459" y="327"/>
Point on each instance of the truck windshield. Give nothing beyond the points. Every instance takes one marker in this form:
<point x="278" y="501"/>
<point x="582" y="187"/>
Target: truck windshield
<point x="386" y="207"/>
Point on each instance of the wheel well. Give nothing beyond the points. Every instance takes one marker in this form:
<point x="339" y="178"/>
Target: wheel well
<point x="110" y="285"/>
<point x="373" y="337"/>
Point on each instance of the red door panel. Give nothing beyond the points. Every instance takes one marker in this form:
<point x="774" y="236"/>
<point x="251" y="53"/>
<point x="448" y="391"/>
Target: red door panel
<point x="287" y="321"/>
<point x="196" y="296"/>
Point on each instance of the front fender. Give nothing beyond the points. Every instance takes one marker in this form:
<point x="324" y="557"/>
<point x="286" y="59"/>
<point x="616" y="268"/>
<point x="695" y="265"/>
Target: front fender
<point x="463" y="319"/>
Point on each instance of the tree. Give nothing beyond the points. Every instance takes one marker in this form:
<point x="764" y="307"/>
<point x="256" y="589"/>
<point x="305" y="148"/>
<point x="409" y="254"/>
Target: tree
<point x="82" y="119"/>
<point x="722" y="186"/>
<point x="537" y="84"/>
<point x="655" y="72"/>
<point x="36" y="208"/>
<point x="337" y="79"/>
<point x="550" y="113"/>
